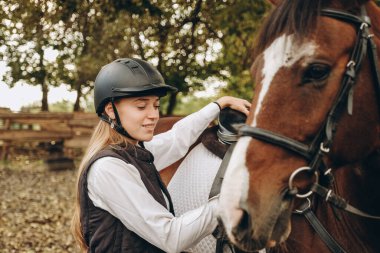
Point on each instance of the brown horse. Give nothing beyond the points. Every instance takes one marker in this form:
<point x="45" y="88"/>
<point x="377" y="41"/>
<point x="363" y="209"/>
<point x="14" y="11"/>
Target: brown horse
<point x="312" y="136"/>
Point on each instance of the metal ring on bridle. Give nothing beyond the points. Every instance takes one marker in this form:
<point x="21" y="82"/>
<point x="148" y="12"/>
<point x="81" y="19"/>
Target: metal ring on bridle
<point x="293" y="175"/>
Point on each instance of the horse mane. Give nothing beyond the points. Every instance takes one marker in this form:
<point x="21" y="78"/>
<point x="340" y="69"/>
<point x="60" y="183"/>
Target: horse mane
<point x="296" y="17"/>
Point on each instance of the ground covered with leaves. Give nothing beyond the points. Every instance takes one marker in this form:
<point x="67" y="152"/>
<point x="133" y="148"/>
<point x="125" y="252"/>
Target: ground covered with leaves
<point x="36" y="205"/>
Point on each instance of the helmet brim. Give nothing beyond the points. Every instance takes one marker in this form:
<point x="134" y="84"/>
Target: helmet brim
<point x="148" y="89"/>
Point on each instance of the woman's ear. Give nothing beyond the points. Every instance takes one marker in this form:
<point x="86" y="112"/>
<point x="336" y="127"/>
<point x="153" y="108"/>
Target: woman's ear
<point x="109" y="110"/>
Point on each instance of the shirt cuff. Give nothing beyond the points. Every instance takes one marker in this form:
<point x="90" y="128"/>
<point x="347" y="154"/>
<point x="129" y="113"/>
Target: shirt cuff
<point x="220" y="108"/>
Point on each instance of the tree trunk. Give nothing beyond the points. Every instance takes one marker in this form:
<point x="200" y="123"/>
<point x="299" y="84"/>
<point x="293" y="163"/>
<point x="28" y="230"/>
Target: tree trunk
<point x="172" y="103"/>
<point x="44" y="102"/>
<point x="79" y="95"/>
<point x="41" y="77"/>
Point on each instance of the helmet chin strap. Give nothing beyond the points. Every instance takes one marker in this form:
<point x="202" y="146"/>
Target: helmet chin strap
<point x="117" y="126"/>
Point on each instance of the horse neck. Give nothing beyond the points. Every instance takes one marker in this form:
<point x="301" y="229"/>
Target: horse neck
<point x="359" y="185"/>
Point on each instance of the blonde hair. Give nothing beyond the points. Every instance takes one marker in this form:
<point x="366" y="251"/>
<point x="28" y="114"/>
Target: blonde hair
<point x="102" y="137"/>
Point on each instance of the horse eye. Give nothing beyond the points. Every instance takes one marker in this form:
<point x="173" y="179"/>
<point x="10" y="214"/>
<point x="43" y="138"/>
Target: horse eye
<point x="316" y="73"/>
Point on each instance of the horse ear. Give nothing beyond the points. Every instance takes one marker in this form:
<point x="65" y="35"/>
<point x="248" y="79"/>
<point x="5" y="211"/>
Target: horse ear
<point x="275" y="2"/>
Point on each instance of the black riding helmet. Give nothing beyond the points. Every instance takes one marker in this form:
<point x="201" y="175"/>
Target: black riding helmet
<point x="126" y="77"/>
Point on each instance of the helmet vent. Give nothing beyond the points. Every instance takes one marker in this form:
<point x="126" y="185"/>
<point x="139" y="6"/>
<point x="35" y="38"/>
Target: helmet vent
<point x="131" y="64"/>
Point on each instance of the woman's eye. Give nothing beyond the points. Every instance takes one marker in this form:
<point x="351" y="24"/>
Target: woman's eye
<point x="316" y="73"/>
<point x="157" y="106"/>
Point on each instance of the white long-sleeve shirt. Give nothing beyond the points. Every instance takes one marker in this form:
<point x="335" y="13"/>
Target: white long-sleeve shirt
<point x="117" y="188"/>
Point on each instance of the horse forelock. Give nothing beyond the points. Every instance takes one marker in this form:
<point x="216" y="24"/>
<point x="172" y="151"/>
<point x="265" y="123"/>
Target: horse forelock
<point x="297" y="17"/>
<point x="289" y="17"/>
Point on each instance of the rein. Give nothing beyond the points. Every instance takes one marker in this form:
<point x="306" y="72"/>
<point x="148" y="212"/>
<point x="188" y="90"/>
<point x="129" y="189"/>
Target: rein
<point x="322" y="142"/>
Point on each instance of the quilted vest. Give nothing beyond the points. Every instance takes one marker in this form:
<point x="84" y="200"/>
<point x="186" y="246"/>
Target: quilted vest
<point x="102" y="231"/>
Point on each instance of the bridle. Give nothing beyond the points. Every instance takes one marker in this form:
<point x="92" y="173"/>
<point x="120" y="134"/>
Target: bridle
<point x="323" y="141"/>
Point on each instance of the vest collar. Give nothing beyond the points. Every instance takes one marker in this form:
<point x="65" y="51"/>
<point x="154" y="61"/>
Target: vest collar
<point x="136" y="151"/>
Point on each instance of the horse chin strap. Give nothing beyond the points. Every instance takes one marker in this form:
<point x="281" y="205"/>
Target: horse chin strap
<point x="322" y="142"/>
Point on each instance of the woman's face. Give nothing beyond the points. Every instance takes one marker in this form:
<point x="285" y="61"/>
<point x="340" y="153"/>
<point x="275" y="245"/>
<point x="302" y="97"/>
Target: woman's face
<point x="138" y="115"/>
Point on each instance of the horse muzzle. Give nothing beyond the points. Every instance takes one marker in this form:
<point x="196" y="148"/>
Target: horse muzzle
<point x="254" y="229"/>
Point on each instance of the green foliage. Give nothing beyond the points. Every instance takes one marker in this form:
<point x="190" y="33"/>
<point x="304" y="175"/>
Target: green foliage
<point x="87" y="104"/>
<point x="239" y="86"/>
<point x="188" y="41"/>
<point x="32" y="30"/>
<point x="61" y="106"/>
<point x="191" y="103"/>
<point x="32" y="107"/>
<point x="174" y="36"/>
<point x="238" y="40"/>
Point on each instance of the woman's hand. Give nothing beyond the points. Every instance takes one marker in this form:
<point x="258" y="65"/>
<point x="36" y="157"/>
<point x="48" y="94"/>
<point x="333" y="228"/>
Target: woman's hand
<point x="238" y="104"/>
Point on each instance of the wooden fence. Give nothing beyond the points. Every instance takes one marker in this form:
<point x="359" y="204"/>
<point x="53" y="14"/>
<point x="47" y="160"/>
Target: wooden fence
<point x="73" y="130"/>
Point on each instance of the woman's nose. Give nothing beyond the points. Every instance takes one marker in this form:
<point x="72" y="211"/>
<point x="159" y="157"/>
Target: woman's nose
<point x="153" y="112"/>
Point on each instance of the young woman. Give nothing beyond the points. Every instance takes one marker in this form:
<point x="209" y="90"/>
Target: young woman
<point x="122" y="204"/>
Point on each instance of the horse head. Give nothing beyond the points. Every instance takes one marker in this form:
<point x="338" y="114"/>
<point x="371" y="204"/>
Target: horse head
<point x="316" y="106"/>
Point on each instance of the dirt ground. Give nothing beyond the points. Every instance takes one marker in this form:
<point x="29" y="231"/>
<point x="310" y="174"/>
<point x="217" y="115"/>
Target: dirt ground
<point x="36" y="206"/>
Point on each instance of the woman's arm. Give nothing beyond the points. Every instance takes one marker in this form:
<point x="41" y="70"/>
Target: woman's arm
<point x="117" y="188"/>
<point x="170" y="146"/>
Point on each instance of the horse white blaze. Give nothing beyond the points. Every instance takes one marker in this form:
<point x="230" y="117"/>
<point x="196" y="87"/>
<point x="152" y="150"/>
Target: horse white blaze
<point x="283" y="52"/>
<point x="234" y="186"/>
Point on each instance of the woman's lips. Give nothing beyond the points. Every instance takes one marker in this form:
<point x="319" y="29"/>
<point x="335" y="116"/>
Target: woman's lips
<point x="149" y="126"/>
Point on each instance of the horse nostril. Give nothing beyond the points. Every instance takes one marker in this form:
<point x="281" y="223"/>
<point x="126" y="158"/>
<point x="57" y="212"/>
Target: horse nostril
<point x="243" y="229"/>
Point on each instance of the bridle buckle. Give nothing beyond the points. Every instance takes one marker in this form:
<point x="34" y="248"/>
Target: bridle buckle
<point x="323" y="148"/>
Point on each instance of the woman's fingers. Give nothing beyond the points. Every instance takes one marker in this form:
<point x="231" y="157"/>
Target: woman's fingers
<point x="238" y="104"/>
<point x="242" y="107"/>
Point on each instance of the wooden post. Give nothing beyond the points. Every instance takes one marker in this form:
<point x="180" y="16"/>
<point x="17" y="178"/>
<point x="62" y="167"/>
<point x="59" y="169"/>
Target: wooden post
<point x="4" y="151"/>
<point x="5" y="146"/>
